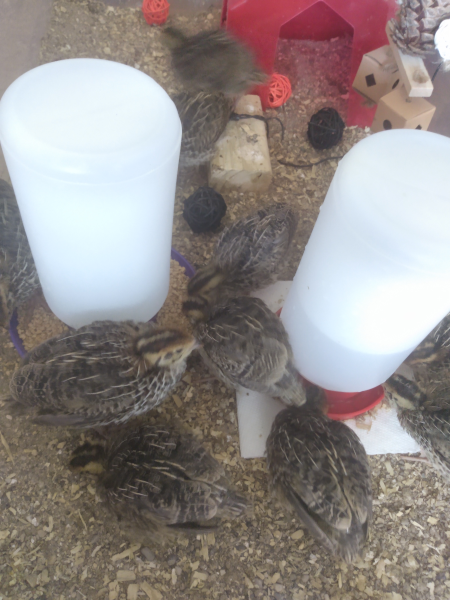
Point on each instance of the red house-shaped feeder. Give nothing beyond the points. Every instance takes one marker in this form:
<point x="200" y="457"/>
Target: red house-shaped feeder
<point x="260" y="23"/>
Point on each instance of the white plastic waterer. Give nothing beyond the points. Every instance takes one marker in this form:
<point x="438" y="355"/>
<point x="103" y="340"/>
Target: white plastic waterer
<point x="375" y="276"/>
<point x="92" y="149"/>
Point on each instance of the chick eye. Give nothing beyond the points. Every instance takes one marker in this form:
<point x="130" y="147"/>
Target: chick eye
<point x="178" y="351"/>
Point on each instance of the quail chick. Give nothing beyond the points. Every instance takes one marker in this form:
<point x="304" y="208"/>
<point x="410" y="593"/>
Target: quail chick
<point x="245" y="344"/>
<point x="159" y="481"/>
<point x="416" y="24"/>
<point x="204" y="116"/>
<point x="249" y="254"/>
<point x="319" y="469"/>
<point x="101" y="374"/>
<point x="426" y="417"/>
<point x="18" y="275"/>
<point x="212" y="61"/>
<point x="435" y="347"/>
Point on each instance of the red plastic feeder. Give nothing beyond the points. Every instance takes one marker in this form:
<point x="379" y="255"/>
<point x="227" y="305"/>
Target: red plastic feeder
<point x="155" y="11"/>
<point x="348" y="405"/>
<point x="260" y="23"/>
<point x="279" y="90"/>
<point x="344" y="405"/>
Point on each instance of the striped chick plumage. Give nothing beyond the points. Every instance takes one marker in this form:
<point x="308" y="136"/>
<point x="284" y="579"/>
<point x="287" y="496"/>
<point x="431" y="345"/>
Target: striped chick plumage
<point x="434" y="348"/>
<point x="160" y="481"/>
<point x="319" y="469"/>
<point x="18" y="275"/>
<point x="103" y="373"/>
<point x="415" y="26"/>
<point x="425" y="415"/>
<point x="212" y="61"/>
<point x="204" y="116"/>
<point x="245" y="344"/>
<point x="249" y="254"/>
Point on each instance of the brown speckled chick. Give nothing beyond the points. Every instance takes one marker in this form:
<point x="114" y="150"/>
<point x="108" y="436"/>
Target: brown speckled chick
<point x="434" y="348"/>
<point x="159" y="481"/>
<point x="104" y="373"/>
<point x="245" y="344"/>
<point x="319" y="469"/>
<point x="425" y="416"/>
<point x="249" y="254"/>
<point x="212" y="61"/>
<point x="417" y="21"/>
<point x="204" y="116"/>
<point x="18" y="275"/>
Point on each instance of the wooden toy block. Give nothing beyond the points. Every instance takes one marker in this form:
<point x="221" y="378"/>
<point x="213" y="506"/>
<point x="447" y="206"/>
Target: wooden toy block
<point x="377" y="75"/>
<point x="397" y="110"/>
<point x="241" y="160"/>
<point x="413" y="73"/>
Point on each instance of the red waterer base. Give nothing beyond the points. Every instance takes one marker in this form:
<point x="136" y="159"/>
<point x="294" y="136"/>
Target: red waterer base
<point x="347" y="405"/>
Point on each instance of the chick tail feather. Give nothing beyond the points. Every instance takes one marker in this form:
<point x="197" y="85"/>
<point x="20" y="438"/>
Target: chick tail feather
<point x="346" y="544"/>
<point x="233" y="506"/>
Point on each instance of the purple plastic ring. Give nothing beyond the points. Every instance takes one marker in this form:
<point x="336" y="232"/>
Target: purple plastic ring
<point x="14" y="322"/>
<point x="14" y="335"/>
<point x="190" y="271"/>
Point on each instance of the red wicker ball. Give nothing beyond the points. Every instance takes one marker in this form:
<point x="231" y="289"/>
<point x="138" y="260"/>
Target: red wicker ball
<point x="155" y="11"/>
<point x="279" y="90"/>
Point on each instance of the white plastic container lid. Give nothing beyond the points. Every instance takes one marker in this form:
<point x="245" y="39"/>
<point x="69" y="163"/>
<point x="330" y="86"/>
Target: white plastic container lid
<point x="71" y="120"/>
<point x="409" y="166"/>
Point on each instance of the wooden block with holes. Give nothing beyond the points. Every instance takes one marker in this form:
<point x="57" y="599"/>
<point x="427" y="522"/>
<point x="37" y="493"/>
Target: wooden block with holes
<point x="397" y="110"/>
<point x="413" y="73"/>
<point x="377" y="74"/>
<point x="241" y="160"/>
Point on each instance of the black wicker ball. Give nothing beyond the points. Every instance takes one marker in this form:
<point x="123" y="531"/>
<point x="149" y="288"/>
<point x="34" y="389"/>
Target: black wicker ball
<point x="325" y="129"/>
<point x="204" y="209"/>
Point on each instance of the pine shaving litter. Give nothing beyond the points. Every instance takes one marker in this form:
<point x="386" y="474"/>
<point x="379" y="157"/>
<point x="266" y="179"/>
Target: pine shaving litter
<point x="125" y="575"/>
<point x="132" y="591"/>
<point x="150" y="591"/>
<point x="171" y="314"/>
<point x="6" y="446"/>
<point x="37" y="323"/>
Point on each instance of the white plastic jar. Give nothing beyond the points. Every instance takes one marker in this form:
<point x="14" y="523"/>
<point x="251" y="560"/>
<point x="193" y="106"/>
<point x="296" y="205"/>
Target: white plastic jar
<point x="92" y="149"/>
<point x="375" y="276"/>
